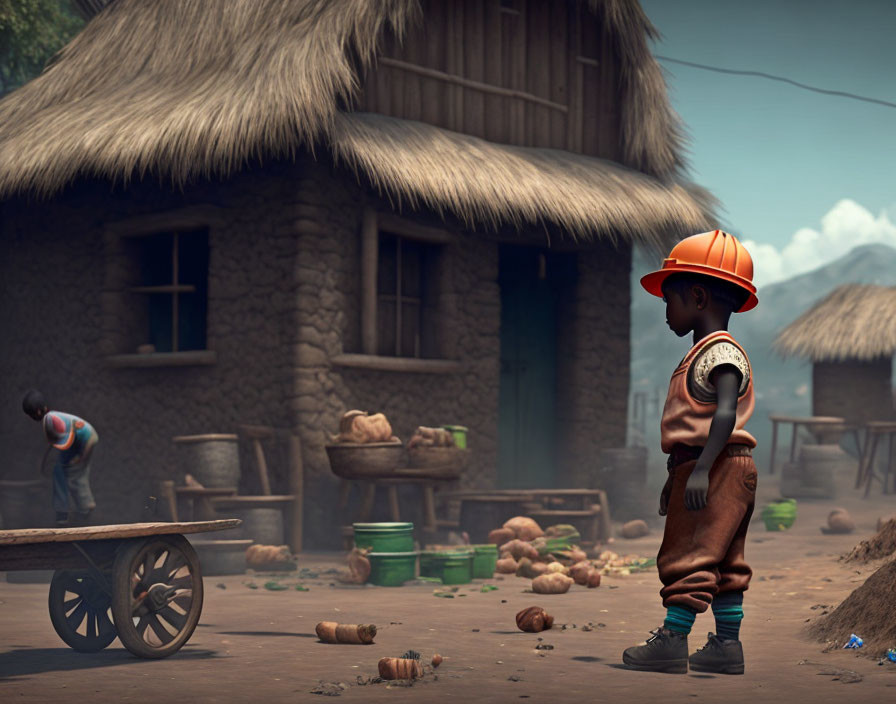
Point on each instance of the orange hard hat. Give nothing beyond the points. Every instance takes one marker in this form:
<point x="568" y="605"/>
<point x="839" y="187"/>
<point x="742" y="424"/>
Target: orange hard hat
<point x="716" y="254"/>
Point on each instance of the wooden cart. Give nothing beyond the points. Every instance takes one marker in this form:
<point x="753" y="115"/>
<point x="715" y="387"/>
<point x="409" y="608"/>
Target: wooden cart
<point x="140" y="582"/>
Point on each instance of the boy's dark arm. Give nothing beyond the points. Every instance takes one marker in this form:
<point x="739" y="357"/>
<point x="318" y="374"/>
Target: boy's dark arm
<point x="726" y="379"/>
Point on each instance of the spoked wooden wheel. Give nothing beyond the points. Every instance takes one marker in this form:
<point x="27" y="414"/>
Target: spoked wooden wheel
<point x="80" y="611"/>
<point x="156" y="595"/>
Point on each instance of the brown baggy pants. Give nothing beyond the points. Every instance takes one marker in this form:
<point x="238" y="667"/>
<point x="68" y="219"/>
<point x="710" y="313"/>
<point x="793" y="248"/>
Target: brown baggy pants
<point x="703" y="551"/>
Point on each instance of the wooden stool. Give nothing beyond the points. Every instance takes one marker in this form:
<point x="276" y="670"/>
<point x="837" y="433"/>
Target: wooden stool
<point x="197" y="501"/>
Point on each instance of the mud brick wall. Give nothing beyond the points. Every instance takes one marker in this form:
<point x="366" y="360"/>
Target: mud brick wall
<point x="283" y="301"/>
<point x="593" y="362"/>
<point x="56" y="319"/>
<point x="329" y="297"/>
<point x="857" y="391"/>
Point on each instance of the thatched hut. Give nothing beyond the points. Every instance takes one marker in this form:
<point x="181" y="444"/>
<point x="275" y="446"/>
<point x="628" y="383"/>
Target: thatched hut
<point x="421" y="208"/>
<point x="850" y="337"/>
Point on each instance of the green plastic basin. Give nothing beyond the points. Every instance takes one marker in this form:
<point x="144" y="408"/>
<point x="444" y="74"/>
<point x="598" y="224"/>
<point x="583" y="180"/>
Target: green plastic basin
<point x="485" y="557"/>
<point x="391" y="569"/>
<point x="779" y="515"/>
<point x="454" y="567"/>
<point x="384" y="537"/>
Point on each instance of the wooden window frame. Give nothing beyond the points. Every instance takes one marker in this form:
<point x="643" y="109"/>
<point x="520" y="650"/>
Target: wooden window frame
<point x="190" y="218"/>
<point x="372" y="223"/>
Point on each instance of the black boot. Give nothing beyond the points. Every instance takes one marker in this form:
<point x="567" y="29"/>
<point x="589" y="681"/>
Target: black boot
<point x="81" y="518"/>
<point x="666" y="651"/>
<point x="724" y="656"/>
<point x="61" y="519"/>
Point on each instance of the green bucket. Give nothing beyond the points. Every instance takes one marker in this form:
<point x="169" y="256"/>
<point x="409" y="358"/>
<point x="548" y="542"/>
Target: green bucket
<point x="455" y="567"/>
<point x="384" y="537"/>
<point x="391" y="569"/>
<point x="459" y="432"/>
<point x="779" y="515"/>
<point x="485" y="557"/>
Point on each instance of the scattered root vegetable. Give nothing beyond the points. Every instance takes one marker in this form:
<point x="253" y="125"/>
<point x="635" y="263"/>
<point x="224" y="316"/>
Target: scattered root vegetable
<point x="524" y="528"/>
<point x="530" y="570"/>
<point x="555" y="583"/>
<point x="260" y="555"/>
<point x="355" y="634"/>
<point x="534" y="620"/>
<point x="558" y="567"/>
<point x="400" y="669"/>
<point x="499" y="536"/>
<point x="585" y="574"/>
<point x="579" y="572"/>
<point x="358" y="567"/>
<point x="571" y="556"/>
<point x="635" y="529"/>
<point x="436" y="660"/>
<point x="506" y="565"/>
<point x="518" y="549"/>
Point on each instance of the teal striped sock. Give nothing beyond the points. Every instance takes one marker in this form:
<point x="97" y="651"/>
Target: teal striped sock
<point x="729" y="612"/>
<point x="679" y="619"/>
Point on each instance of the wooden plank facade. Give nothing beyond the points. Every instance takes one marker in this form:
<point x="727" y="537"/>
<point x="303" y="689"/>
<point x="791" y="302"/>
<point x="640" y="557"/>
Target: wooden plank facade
<point x="526" y="72"/>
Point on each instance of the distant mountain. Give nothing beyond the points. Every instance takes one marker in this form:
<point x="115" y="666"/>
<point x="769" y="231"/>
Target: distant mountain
<point x="782" y="387"/>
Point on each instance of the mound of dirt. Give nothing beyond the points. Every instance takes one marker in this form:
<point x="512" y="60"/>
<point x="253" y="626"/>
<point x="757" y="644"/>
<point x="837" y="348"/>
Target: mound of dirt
<point x="867" y="612"/>
<point x="881" y="545"/>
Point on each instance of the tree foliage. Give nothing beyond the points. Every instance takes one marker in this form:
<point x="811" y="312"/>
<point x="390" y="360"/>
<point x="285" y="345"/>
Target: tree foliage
<point x="31" y="32"/>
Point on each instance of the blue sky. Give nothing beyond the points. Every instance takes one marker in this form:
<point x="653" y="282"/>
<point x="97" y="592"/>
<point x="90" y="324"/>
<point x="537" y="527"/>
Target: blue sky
<point x="803" y="177"/>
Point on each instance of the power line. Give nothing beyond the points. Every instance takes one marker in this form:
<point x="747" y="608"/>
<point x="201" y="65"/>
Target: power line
<point x="762" y="74"/>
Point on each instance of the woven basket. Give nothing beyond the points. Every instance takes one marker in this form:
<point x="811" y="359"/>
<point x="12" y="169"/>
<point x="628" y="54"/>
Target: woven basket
<point x="365" y="460"/>
<point x="451" y="459"/>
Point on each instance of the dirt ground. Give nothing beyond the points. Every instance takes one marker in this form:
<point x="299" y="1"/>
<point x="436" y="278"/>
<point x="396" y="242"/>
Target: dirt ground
<point x="259" y="645"/>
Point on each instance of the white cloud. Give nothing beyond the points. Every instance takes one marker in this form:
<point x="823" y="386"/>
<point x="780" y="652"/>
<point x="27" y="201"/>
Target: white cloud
<point x="845" y="226"/>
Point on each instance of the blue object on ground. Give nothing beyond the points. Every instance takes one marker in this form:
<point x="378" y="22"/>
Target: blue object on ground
<point x="854" y="642"/>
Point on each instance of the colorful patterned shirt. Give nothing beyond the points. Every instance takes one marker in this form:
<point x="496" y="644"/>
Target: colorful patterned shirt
<point x="68" y="433"/>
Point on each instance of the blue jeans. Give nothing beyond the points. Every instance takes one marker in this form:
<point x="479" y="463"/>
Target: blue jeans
<point x="72" y="479"/>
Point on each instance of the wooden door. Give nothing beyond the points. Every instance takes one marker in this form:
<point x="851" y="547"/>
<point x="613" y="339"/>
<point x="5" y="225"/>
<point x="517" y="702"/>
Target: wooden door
<point x="526" y="424"/>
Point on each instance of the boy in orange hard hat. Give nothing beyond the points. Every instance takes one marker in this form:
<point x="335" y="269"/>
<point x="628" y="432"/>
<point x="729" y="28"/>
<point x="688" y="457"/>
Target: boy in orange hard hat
<point x="709" y="495"/>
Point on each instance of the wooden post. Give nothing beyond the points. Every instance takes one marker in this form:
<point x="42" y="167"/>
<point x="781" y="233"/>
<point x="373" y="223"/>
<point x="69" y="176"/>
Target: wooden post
<point x="771" y="460"/>
<point x="257" y="433"/>
<point x="369" y="256"/>
<point x="793" y="441"/>
<point x="262" y="467"/>
<point x="394" y="509"/>
<point x="430" y="520"/>
<point x="170" y="499"/>
<point x="297" y="489"/>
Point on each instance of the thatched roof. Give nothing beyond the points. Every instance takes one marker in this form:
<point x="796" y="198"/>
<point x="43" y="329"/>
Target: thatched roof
<point x="853" y="322"/>
<point x="493" y="183"/>
<point x="199" y="88"/>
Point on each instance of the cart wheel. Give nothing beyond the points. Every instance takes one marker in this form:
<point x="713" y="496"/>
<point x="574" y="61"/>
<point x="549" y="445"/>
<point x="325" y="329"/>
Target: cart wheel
<point x="156" y="595"/>
<point x="79" y="610"/>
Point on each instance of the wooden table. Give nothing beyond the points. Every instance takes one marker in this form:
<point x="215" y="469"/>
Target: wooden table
<point x="427" y="479"/>
<point x="810" y="422"/>
<point x="593" y="505"/>
<point x="873" y="431"/>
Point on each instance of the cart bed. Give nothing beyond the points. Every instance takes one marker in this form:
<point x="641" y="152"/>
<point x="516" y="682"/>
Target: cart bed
<point x="121" y="530"/>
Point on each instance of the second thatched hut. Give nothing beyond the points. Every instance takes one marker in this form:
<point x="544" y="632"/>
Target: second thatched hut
<point x="850" y="337"/>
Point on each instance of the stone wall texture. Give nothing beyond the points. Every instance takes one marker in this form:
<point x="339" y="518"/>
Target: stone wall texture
<point x="284" y="298"/>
